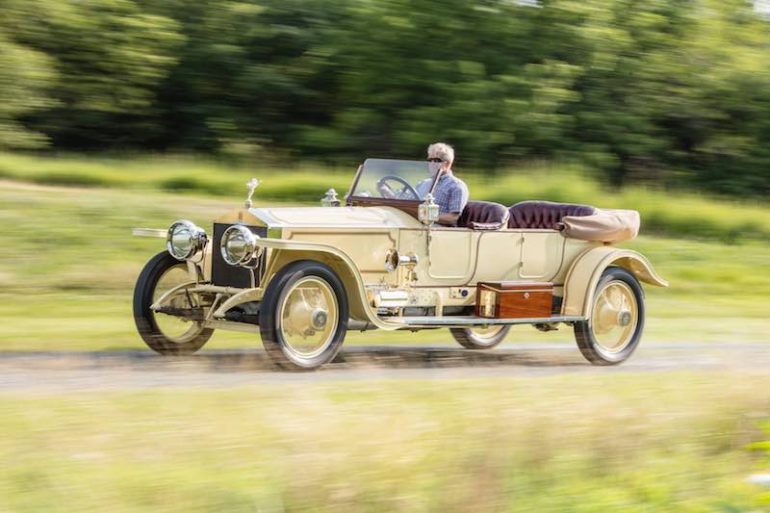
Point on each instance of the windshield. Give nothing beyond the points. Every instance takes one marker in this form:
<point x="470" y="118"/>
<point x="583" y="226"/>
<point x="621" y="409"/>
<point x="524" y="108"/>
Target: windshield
<point x="393" y="179"/>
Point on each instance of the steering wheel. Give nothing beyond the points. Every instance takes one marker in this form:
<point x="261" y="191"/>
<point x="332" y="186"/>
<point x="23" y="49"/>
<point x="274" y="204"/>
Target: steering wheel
<point x="388" y="192"/>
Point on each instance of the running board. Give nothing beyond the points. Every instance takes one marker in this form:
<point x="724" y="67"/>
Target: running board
<point x="464" y="321"/>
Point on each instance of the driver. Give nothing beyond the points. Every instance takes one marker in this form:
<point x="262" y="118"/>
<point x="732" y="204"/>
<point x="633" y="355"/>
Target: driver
<point x="451" y="193"/>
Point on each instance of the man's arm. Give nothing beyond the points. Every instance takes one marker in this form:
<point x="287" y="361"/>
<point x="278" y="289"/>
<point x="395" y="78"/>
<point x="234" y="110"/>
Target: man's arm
<point x="449" y="219"/>
<point x="457" y="200"/>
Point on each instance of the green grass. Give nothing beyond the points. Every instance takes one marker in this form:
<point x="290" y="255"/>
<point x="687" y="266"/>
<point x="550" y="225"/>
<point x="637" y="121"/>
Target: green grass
<point x="570" y="443"/>
<point x="672" y="213"/>
<point x="185" y="174"/>
<point x="68" y="263"/>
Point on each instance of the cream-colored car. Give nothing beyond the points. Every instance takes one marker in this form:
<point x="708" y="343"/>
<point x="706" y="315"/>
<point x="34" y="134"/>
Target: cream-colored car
<point x="302" y="277"/>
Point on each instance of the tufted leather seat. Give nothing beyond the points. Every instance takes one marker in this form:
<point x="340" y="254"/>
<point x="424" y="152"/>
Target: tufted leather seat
<point x="544" y="214"/>
<point x="483" y="215"/>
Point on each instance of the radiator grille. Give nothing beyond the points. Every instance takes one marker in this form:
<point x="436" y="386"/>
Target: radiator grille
<point x="226" y="275"/>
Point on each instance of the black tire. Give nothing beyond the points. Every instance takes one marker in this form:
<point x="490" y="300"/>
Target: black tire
<point x="470" y="338"/>
<point x="146" y="321"/>
<point x="279" y="342"/>
<point x="595" y="350"/>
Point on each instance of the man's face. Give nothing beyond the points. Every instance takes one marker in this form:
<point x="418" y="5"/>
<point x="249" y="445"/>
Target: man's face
<point x="435" y="164"/>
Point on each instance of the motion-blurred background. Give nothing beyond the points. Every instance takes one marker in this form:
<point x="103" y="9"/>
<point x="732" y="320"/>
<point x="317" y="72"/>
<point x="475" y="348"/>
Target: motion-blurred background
<point x="668" y="92"/>
<point x="123" y="113"/>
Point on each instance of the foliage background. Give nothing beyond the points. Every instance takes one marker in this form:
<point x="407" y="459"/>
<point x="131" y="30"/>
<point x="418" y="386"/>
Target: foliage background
<point x="672" y="92"/>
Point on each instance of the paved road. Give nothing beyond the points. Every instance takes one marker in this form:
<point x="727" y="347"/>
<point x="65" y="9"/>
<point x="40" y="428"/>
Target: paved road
<point x="58" y="371"/>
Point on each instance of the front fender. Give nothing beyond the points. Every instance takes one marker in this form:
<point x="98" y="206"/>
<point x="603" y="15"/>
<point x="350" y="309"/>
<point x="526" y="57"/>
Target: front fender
<point x="283" y="252"/>
<point x="587" y="269"/>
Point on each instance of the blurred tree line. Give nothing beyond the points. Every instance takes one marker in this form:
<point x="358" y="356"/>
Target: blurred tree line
<point x="670" y="91"/>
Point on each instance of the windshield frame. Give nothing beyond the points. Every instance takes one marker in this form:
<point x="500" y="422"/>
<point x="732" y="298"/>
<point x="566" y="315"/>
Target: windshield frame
<point x="409" y="206"/>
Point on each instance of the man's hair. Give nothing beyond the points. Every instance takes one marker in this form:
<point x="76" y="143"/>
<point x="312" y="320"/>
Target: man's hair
<point x="442" y="151"/>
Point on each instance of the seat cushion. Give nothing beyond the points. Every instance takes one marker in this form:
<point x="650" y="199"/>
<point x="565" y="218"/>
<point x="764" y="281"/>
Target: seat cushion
<point x="544" y="214"/>
<point x="483" y="215"/>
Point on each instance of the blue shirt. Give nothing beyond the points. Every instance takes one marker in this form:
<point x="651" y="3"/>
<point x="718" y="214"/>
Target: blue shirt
<point x="451" y="193"/>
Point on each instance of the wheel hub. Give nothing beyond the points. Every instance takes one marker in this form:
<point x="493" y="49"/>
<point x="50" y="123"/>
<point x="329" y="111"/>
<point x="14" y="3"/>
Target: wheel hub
<point x="319" y="318"/>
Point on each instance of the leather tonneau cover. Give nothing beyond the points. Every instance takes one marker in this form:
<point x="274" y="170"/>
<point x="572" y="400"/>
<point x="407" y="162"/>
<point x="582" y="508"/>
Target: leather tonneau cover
<point x="603" y="226"/>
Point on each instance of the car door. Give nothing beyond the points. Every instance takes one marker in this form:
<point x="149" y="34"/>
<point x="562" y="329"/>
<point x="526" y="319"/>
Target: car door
<point x="542" y="253"/>
<point x="498" y="256"/>
<point x="451" y="254"/>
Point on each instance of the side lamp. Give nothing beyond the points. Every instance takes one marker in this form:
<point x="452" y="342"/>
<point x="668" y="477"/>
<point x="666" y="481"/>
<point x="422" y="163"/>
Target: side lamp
<point x="427" y="213"/>
<point x="331" y="199"/>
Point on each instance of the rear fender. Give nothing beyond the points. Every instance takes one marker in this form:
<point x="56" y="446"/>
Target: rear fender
<point x="584" y="275"/>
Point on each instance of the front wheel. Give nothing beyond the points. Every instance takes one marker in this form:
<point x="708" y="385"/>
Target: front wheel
<point x="163" y="333"/>
<point x="614" y="329"/>
<point x="480" y="337"/>
<point x="303" y="317"/>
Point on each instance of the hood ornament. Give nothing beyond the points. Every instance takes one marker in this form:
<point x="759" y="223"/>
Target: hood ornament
<point x="252" y="185"/>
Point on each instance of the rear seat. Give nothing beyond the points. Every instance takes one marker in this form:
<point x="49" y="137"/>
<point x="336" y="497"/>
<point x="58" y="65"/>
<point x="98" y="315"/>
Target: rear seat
<point x="544" y="214"/>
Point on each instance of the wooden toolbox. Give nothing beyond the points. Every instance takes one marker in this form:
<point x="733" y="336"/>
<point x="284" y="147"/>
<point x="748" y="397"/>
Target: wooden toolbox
<point x="514" y="299"/>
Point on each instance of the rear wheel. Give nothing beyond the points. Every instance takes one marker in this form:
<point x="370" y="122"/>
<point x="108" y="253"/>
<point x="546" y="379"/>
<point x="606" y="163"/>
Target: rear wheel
<point x="303" y="316"/>
<point x="614" y="329"/>
<point x="166" y="334"/>
<point x="480" y="337"/>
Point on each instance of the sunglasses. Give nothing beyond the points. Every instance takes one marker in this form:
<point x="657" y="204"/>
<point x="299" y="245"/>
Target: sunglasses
<point x="435" y="160"/>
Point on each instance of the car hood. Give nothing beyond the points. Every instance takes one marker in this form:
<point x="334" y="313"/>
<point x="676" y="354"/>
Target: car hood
<point x="334" y="217"/>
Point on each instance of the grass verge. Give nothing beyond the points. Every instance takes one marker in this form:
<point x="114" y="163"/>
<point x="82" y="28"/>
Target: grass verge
<point x="678" y="214"/>
<point x="574" y="443"/>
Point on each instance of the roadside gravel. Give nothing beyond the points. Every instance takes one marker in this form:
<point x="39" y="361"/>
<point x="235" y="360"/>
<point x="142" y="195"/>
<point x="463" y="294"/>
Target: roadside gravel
<point x="58" y="371"/>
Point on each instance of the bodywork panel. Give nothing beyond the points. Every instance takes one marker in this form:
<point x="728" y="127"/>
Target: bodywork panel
<point x="329" y="218"/>
<point x="367" y="248"/>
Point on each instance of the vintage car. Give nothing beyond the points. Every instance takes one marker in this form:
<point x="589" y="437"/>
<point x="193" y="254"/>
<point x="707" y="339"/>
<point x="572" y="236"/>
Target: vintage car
<point x="302" y="277"/>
